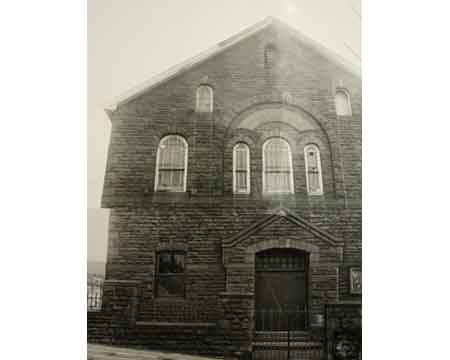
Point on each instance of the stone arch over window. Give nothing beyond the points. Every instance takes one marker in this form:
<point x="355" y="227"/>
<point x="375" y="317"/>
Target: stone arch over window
<point x="171" y="164"/>
<point x="236" y="118"/>
<point x="313" y="169"/>
<point x="342" y="103"/>
<point x="241" y="168"/>
<point x="277" y="167"/>
<point x="204" y="99"/>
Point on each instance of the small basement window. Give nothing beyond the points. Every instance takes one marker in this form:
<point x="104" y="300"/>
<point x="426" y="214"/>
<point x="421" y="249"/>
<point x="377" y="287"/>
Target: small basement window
<point x="170" y="274"/>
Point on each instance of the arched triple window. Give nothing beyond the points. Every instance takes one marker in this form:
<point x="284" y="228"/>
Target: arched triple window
<point x="171" y="164"/>
<point x="342" y="103"/>
<point x="241" y="169"/>
<point x="204" y="101"/>
<point x="313" y="170"/>
<point x="277" y="167"/>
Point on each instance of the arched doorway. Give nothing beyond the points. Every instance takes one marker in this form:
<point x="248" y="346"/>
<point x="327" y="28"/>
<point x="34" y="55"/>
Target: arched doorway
<point x="281" y="289"/>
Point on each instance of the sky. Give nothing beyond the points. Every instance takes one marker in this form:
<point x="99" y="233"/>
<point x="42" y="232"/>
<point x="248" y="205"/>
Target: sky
<point x="129" y="41"/>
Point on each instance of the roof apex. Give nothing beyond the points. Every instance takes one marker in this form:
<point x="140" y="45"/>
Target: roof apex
<point x="221" y="46"/>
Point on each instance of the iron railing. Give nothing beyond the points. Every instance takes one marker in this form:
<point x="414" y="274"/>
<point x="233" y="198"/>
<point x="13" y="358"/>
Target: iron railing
<point x="94" y="293"/>
<point x="296" y="351"/>
<point x="282" y="335"/>
<point x="281" y="320"/>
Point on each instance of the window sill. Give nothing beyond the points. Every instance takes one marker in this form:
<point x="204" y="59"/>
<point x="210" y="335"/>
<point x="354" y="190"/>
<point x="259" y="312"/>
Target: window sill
<point x="168" y="299"/>
<point x="278" y="195"/>
<point x="175" y="324"/>
<point x="170" y="195"/>
<point x="241" y="194"/>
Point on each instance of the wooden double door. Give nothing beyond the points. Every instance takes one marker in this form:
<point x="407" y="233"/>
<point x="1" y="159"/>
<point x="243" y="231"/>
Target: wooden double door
<point x="281" y="290"/>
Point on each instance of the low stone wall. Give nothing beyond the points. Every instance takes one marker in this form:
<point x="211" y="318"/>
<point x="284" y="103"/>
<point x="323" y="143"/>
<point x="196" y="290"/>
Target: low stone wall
<point x="194" y="338"/>
<point x="343" y="331"/>
<point x="99" y="327"/>
<point x="116" y="324"/>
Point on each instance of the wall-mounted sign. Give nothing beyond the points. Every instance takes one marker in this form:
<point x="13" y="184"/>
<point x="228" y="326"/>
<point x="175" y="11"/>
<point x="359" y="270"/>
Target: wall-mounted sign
<point x="355" y="281"/>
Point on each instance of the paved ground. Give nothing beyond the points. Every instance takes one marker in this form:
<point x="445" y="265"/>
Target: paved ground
<point x="102" y="352"/>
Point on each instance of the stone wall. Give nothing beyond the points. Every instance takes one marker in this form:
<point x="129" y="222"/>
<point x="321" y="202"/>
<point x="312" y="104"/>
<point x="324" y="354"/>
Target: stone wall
<point x="241" y="86"/>
<point x="293" y="99"/>
<point x="201" y="230"/>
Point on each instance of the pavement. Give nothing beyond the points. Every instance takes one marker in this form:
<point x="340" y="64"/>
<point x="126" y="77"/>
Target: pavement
<point x="103" y="352"/>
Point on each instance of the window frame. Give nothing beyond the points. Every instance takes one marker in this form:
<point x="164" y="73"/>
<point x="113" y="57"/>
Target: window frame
<point x="158" y="154"/>
<point x="319" y="168"/>
<point x="291" y="170"/>
<point x="347" y="97"/>
<point x="211" y="97"/>
<point x="158" y="275"/>
<point x="247" y="170"/>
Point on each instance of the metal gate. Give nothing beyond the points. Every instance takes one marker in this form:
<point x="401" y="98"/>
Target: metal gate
<point x="287" y="344"/>
<point x="281" y="289"/>
<point x="281" y="307"/>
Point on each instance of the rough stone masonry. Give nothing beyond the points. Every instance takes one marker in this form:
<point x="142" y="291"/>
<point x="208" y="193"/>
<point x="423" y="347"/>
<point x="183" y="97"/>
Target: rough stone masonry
<point x="267" y="82"/>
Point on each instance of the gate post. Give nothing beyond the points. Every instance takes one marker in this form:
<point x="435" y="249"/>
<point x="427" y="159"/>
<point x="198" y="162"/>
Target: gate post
<point x="288" y="336"/>
<point x="237" y="311"/>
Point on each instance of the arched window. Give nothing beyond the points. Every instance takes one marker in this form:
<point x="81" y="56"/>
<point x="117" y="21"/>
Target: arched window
<point x="313" y="170"/>
<point x="270" y="56"/>
<point x="204" y="99"/>
<point x="277" y="167"/>
<point x="171" y="164"/>
<point x="241" y="169"/>
<point x="342" y="103"/>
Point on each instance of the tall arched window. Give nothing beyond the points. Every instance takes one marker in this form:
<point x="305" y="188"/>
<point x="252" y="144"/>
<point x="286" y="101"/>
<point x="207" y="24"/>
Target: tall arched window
<point x="241" y="169"/>
<point x="171" y="164"/>
<point x="342" y="103"/>
<point x="277" y="167"/>
<point x="313" y="170"/>
<point x="204" y="102"/>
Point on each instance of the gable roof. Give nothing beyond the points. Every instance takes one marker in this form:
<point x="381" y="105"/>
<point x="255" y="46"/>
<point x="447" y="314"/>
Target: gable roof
<point x="275" y="215"/>
<point x="223" y="45"/>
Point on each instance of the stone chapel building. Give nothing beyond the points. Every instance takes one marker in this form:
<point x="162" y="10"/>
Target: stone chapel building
<point x="234" y="187"/>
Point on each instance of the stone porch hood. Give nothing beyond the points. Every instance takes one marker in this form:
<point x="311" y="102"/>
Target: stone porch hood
<point x="274" y="215"/>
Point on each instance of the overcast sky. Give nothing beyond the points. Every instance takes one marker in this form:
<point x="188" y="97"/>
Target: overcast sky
<point x="130" y="41"/>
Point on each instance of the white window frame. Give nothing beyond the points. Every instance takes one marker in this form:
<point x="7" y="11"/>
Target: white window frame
<point x="291" y="170"/>
<point x="247" y="190"/>
<point x="319" y="167"/>
<point x="349" y="103"/>
<point x="211" y="94"/>
<point x="185" y="163"/>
